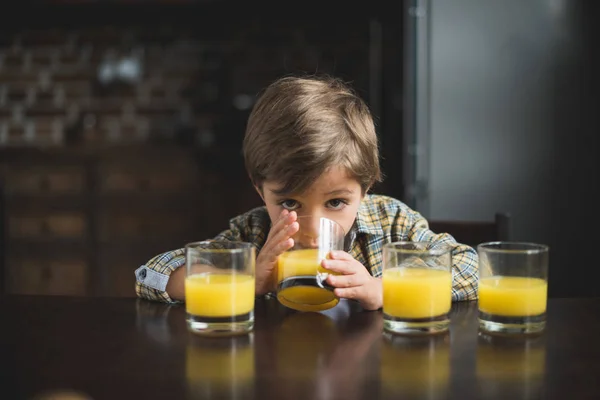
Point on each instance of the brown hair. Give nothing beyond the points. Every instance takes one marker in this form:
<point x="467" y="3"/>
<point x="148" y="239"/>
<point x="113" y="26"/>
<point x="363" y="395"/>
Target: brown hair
<point x="301" y="126"/>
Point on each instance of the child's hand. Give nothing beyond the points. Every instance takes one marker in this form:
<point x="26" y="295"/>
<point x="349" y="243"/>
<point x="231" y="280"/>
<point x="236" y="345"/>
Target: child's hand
<point x="278" y="241"/>
<point x="355" y="282"/>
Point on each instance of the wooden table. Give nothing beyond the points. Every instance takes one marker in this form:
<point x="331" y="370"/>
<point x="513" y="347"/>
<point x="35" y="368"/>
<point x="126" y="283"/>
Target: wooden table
<point x="109" y="348"/>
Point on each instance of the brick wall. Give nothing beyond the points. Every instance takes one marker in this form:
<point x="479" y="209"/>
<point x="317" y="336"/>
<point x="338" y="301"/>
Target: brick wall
<point x="191" y="81"/>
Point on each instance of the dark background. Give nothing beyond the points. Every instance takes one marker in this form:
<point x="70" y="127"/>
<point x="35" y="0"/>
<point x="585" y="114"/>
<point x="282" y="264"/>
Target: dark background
<point x="100" y="174"/>
<point x="98" y="177"/>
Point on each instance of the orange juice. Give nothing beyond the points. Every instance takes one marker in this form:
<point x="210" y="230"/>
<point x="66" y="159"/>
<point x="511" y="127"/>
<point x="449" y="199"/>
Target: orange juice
<point x="414" y="293"/>
<point x="297" y="284"/>
<point x="512" y="296"/>
<point x="304" y="262"/>
<point x="219" y="295"/>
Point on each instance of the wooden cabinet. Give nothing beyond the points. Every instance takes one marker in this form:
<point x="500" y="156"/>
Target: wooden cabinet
<point x="79" y="222"/>
<point x="32" y="274"/>
<point x="43" y="179"/>
<point x="35" y="225"/>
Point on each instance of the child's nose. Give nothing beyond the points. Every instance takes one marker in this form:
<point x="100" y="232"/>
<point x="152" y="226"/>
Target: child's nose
<point x="309" y="232"/>
<point x="308" y="242"/>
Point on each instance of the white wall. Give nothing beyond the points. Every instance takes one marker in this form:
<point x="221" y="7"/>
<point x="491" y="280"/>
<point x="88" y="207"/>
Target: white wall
<point x="492" y="64"/>
<point x="511" y="124"/>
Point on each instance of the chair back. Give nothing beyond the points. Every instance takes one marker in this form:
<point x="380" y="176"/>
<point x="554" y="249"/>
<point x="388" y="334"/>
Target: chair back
<point x="473" y="233"/>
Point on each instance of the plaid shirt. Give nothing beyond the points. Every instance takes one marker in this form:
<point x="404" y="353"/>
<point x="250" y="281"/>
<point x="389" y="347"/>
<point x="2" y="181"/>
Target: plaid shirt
<point x="379" y="220"/>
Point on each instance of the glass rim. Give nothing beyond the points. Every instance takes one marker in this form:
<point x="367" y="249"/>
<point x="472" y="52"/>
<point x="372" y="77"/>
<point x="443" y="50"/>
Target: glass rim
<point x="520" y="247"/>
<point x="240" y="246"/>
<point x="438" y="250"/>
<point x="298" y="217"/>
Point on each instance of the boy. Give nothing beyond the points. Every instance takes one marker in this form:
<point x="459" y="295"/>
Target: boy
<point x="310" y="148"/>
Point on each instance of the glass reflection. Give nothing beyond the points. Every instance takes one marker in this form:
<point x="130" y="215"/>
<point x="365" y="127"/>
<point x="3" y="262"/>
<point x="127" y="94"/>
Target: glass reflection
<point x="512" y="367"/>
<point x="220" y="367"/>
<point x="153" y="320"/>
<point x="302" y="343"/>
<point x="415" y="366"/>
<point x="316" y="358"/>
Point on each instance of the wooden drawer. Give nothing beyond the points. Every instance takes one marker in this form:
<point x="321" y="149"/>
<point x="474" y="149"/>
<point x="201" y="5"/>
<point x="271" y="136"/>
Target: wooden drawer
<point x="58" y="225"/>
<point x="46" y="277"/>
<point x="44" y="180"/>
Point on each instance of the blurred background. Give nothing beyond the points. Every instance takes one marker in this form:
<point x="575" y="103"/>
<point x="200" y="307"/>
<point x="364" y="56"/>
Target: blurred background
<point x="121" y="122"/>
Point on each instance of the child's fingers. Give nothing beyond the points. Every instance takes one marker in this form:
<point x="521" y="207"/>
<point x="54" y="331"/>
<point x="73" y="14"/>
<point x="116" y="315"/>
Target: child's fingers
<point x="283" y="247"/>
<point x="285" y="219"/>
<point x="340" y="255"/>
<point x="280" y="237"/>
<point x="340" y="266"/>
<point x="346" y="281"/>
<point x="348" y="293"/>
<point x="279" y="243"/>
<point x="286" y="232"/>
<point x="278" y="230"/>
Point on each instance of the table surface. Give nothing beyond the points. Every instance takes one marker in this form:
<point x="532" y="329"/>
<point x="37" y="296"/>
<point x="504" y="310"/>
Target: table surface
<point x="110" y="348"/>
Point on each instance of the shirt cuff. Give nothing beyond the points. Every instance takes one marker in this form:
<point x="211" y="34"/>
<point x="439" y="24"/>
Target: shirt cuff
<point x="156" y="280"/>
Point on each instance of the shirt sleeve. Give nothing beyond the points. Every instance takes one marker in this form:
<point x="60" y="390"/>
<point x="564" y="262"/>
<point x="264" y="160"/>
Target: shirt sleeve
<point x="152" y="277"/>
<point x="465" y="262"/>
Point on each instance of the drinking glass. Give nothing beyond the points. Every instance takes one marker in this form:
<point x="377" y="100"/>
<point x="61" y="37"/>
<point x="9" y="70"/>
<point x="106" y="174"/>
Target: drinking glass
<point x="513" y="287"/>
<point x="301" y="280"/>
<point x="417" y="287"/>
<point x="219" y="287"/>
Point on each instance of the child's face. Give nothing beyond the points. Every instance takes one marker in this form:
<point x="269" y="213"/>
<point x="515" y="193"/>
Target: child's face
<point x="335" y="195"/>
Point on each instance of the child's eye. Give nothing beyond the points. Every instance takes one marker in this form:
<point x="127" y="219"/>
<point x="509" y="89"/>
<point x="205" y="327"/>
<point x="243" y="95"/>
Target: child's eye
<point x="337" y="204"/>
<point x="289" y="205"/>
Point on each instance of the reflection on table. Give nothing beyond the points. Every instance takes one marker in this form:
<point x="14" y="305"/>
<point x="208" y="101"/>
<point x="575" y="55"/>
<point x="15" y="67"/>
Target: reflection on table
<point x="102" y="348"/>
<point x="511" y="367"/>
<point x="317" y="354"/>
<point x="220" y="367"/>
<point x="415" y="366"/>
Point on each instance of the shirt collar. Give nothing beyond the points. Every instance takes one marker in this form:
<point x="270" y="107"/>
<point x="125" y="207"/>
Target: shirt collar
<point x="368" y="219"/>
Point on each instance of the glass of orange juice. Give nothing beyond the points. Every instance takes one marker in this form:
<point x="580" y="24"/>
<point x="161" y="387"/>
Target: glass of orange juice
<point x="301" y="280"/>
<point x="417" y="287"/>
<point x="219" y="287"/>
<point x="513" y="287"/>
